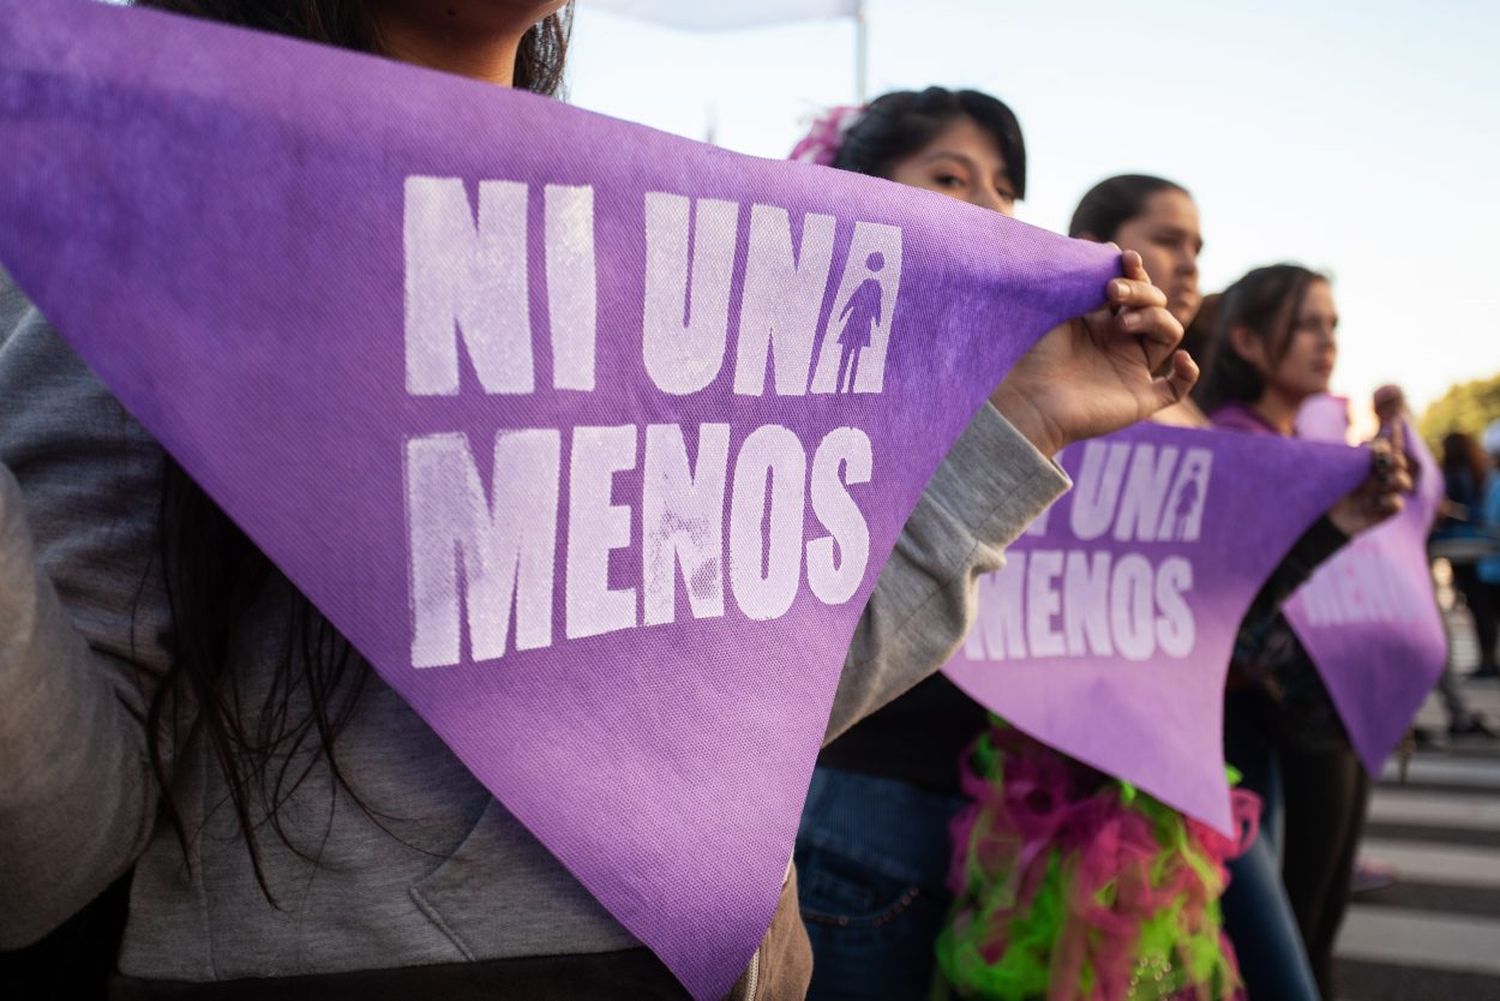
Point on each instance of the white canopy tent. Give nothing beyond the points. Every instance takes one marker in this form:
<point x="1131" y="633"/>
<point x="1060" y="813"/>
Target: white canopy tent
<point x="725" y="14"/>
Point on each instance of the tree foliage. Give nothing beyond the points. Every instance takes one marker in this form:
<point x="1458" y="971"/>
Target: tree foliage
<point x="1467" y="406"/>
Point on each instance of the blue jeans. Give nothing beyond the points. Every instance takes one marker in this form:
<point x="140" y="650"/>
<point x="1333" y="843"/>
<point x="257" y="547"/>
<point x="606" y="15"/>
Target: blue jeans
<point x="872" y="859"/>
<point x="1257" y="914"/>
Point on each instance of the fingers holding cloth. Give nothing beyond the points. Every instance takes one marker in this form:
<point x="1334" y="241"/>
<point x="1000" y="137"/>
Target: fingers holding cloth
<point x="1382" y="494"/>
<point x="1097" y="373"/>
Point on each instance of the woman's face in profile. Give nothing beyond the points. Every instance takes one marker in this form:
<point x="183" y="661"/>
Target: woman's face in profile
<point x="1307" y="366"/>
<point x="962" y="161"/>
<point x="1165" y="233"/>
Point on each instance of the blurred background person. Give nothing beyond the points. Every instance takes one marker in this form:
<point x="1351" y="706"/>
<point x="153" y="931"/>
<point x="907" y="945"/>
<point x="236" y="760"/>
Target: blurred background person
<point x="1465" y="471"/>
<point x="1275" y="348"/>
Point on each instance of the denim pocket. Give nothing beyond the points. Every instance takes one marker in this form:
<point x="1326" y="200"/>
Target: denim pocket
<point x="835" y="889"/>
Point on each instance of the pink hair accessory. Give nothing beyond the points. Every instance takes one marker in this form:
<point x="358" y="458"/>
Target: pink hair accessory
<point x="826" y="136"/>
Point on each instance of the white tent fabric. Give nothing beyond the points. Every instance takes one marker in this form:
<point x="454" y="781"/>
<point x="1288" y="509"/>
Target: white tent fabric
<point x="710" y="14"/>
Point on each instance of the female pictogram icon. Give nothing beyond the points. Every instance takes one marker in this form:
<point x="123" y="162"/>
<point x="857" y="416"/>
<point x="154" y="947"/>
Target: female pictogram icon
<point x="859" y="316"/>
<point x="1187" y="503"/>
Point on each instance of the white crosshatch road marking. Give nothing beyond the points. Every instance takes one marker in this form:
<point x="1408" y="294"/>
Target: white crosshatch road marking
<point x="1435" y="935"/>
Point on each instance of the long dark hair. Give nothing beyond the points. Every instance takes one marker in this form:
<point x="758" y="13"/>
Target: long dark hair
<point x="1115" y="201"/>
<point x="214" y="573"/>
<point x="897" y="124"/>
<point x="1462" y="454"/>
<point x="1266" y="302"/>
<point x="349" y="24"/>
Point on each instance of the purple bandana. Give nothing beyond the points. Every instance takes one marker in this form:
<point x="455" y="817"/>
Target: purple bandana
<point x="1109" y="632"/>
<point x="1369" y="619"/>
<point x="593" y="440"/>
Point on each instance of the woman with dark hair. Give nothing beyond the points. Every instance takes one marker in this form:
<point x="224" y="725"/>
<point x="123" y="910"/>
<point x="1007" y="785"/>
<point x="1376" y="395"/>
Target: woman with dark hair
<point x="872" y="852"/>
<point x="1488" y="513"/>
<point x="169" y="701"/>
<point x="962" y="143"/>
<point x="1158" y="219"/>
<point x="873" y="849"/>
<point x="1275" y="348"/>
<point x="1465" y="470"/>
<point x="1278" y="346"/>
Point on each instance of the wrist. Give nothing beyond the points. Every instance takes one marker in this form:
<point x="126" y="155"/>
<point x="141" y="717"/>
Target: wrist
<point x="1344" y="519"/>
<point x="1355" y="514"/>
<point x="1029" y="420"/>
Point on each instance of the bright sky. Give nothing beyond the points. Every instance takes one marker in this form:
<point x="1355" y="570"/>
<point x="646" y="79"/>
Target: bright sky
<point x="1358" y="138"/>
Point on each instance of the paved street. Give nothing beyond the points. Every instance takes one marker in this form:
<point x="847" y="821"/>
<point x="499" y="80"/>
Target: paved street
<point x="1435" y="934"/>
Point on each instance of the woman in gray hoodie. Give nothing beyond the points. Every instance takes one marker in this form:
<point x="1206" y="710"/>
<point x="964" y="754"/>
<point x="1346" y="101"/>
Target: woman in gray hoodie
<point x="170" y="702"/>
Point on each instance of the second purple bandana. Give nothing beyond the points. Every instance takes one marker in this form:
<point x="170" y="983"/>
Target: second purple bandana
<point x="1108" y="634"/>
<point x="1369" y="619"/>
<point x="672" y="405"/>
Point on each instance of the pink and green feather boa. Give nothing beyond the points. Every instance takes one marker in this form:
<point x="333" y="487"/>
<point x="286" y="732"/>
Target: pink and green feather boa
<point x="1071" y="885"/>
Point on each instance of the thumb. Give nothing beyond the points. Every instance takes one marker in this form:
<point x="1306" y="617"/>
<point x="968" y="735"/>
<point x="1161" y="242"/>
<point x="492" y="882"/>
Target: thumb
<point x="1175" y="385"/>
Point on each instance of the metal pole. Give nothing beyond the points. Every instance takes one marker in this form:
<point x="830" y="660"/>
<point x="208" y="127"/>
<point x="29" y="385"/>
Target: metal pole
<point x="861" y="54"/>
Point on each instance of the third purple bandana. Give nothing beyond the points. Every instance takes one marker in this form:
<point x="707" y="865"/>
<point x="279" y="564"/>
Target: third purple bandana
<point x="1109" y="632"/>
<point x="593" y="440"/>
<point x="1369" y="619"/>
